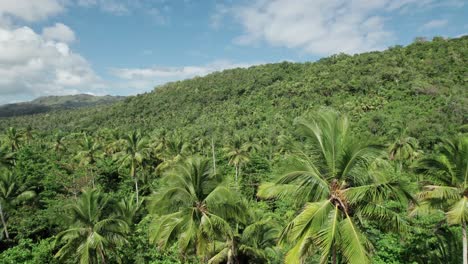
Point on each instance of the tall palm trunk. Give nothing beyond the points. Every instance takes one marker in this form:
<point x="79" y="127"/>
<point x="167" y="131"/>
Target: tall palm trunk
<point x="136" y="188"/>
<point x="214" y="158"/>
<point x="334" y="255"/>
<point x="237" y="172"/>
<point x="3" y="222"/>
<point x="465" y="250"/>
<point x="133" y="175"/>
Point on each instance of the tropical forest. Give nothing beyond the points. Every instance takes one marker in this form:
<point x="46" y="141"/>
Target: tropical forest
<point x="347" y="159"/>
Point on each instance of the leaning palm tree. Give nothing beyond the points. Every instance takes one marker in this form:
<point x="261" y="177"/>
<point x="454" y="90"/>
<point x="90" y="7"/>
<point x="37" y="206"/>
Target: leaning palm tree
<point x="134" y="152"/>
<point x="193" y="208"/>
<point x="338" y="180"/>
<point x="447" y="188"/>
<point x="93" y="233"/>
<point x="238" y="154"/>
<point x="12" y="193"/>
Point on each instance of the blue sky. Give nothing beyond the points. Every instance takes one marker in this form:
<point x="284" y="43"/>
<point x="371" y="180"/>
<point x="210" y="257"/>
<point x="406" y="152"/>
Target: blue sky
<point x="55" y="47"/>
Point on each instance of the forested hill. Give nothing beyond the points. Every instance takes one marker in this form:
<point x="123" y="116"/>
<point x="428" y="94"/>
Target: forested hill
<point x="422" y="87"/>
<point x="51" y="103"/>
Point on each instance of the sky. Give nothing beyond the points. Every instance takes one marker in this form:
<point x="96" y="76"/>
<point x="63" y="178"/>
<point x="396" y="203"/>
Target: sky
<point x="126" y="47"/>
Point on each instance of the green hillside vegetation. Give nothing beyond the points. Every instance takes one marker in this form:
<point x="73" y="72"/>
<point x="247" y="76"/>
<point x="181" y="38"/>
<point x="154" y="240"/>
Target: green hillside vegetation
<point x="51" y="103"/>
<point x="350" y="159"/>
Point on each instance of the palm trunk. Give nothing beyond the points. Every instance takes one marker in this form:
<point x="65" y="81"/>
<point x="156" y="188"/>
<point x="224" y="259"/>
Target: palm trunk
<point x="133" y="175"/>
<point x="136" y="188"/>
<point x="3" y="222"/>
<point x="334" y="255"/>
<point x="465" y="250"/>
<point x="237" y="172"/>
<point x="213" y="153"/>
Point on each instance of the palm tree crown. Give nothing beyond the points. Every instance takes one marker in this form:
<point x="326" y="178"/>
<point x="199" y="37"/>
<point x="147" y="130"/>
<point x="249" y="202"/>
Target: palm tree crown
<point x="194" y="208"/>
<point x="12" y="193"/>
<point x="331" y="175"/>
<point x="134" y="152"/>
<point x="93" y="232"/>
<point x="447" y="189"/>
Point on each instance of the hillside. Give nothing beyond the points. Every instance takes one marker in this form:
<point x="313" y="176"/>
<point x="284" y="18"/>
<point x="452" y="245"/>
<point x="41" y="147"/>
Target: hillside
<point x="250" y="166"/>
<point x="422" y="86"/>
<point x="50" y="103"/>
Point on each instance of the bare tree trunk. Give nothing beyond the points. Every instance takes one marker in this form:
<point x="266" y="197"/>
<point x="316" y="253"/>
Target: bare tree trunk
<point x="3" y="222"/>
<point x="465" y="250"/>
<point x="213" y="152"/>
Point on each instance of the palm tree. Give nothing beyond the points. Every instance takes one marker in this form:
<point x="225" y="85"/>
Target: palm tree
<point x="89" y="152"/>
<point x="194" y="208"/>
<point x="171" y="151"/>
<point x="338" y="179"/>
<point x="134" y="152"/>
<point x="93" y="232"/>
<point x="28" y="133"/>
<point x="14" y="138"/>
<point x="447" y="189"/>
<point x="12" y="193"/>
<point x="404" y="149"/>
<point x="59" y="142"/>
<point x="7" y="158"/>
<point x="127" y="209"/>
<point x="256" y="244"/>
<point x="238" y="154"/>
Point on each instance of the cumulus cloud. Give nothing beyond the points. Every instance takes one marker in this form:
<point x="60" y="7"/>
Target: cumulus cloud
<point x="321" y="27"/>
<point x="144" y="78"/>
<point x="32" y="65"/>
<point x="434" y="24"/>
<point x="59" y="32"/>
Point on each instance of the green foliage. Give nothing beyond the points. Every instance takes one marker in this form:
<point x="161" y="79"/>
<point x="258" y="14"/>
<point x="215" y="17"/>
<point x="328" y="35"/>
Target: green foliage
<point x="286" y="162"/>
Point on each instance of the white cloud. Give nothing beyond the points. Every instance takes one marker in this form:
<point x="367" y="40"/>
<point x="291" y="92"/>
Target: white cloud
<point x="144" y="78"/>
<point x="110" y="6"/>
<point x="434" y="24"/>
<point x="321" y="27"/>
<point x="59" y="32"/>
<point x="30" y="10"/>
<point x="32" y="65"/>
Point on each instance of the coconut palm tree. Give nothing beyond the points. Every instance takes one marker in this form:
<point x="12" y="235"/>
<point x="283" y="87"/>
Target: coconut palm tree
<point x="127" y="209"/>
<point x="404" y="149"/>
<point x="89" y="152"/>
<point x="193" y="208"/>
<point x="14" y="138"/>
<point x="336" y="178"/>
<point x="447" y="187"/>
<point x="7" y="158"/>
<point x="256" y="244"/>
<point x="238" y="154"/>
<point x="59" y="142"/>
<point x="94" y="232"/>
<point x="12" y="193"/>
<point x="28" y="134"/>
<point x="171" y="151"/>
<point x="134" y="152"/>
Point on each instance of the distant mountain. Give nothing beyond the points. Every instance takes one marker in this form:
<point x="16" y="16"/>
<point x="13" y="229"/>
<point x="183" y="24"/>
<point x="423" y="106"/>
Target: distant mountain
<point x="50" y="103"/>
